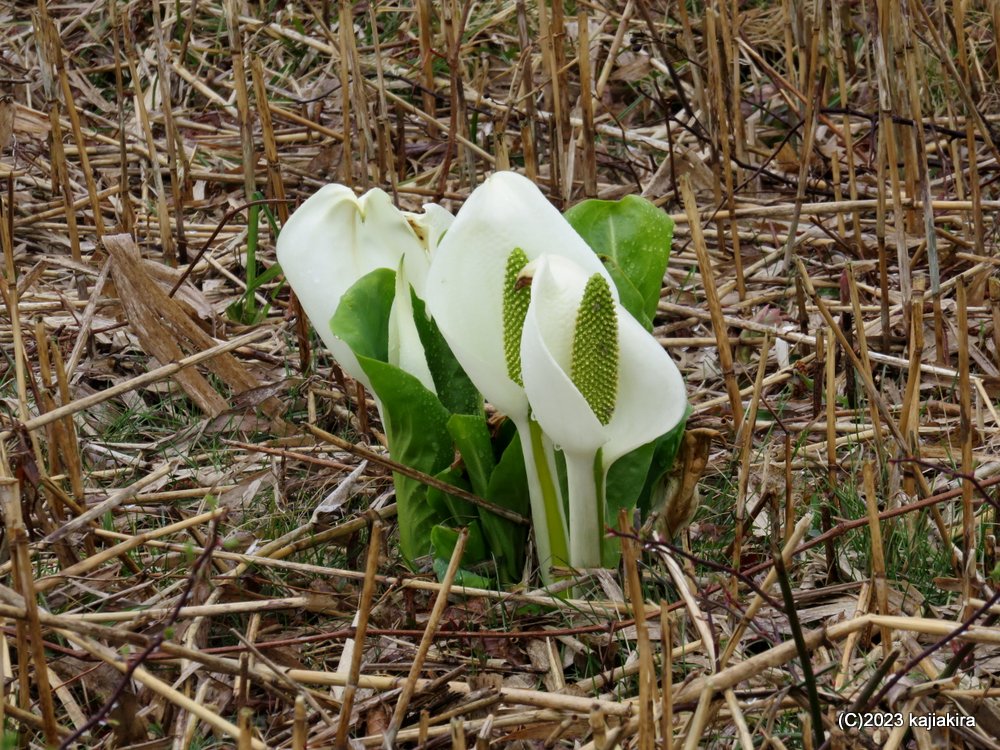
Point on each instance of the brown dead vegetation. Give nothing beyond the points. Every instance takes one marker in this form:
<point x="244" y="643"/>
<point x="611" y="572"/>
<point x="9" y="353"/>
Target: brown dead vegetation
<point x="833" y="299"/>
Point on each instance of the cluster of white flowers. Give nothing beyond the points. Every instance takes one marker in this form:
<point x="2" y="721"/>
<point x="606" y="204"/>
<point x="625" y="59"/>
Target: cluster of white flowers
<point x="529" y="312"/>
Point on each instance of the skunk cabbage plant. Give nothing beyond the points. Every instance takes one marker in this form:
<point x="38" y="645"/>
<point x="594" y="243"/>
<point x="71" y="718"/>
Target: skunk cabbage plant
<point x="533" y="316"/>
<point x="545" y="316"/>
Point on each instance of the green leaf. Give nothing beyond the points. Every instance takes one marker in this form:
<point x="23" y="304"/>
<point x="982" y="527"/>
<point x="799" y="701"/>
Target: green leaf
<point x="362" y="317"/>
<point x="633" y="237"/>
<point x="461" y="511"/>
<point x="503" y="484"/>
<point x="629" y="296"/>
<point x="665" y="450"/>
<point x="463" y="577"/>
<point x="623" y="488"/>
<point x="444" y="539"/>
<point x="631" y="481"/>
<point x="416" y="428"/>
<point x="472" y="438"/>
<point x="458" y="394"/>
<point x="508" y="488"/>
<point x="416" y="424"/>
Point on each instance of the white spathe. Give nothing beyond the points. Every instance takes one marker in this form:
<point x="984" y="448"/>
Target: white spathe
<point x="464" y="290"/>
<point x="650" y="399"/>
<point x="335" y="238"/>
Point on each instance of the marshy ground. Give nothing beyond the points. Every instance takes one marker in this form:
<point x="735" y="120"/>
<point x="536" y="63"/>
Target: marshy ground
<point x="169" y="426"/>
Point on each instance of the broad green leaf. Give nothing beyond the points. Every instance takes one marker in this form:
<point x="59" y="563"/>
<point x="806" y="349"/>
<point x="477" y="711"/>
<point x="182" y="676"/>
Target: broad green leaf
<point x="629" y="296"/>
<point x="623" y="487"/>
<point x="472" y="438"/>
<point x="415" y="421"/>
<point x="505" y="538"/>
<point x="460" y="511"/>
<point x="444" y="539"/>
<point x="508" y="488"/>
<point x="458" y="394"/>
<point x="631" y="481"/>
<point x="665" y="450"/>
<point x="416" y="427"/>
<point x="636" y="236"/>
<point x="362" y="317"/>
<point x="463" y="577"/>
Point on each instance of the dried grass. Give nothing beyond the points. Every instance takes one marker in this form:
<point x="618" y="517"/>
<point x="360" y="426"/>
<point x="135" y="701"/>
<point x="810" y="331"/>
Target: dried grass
<point x="832" y="298"/>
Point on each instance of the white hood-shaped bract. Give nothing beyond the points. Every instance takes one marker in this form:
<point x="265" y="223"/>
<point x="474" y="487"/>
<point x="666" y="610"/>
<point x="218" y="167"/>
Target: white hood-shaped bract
<point x="335" y="238"/>
<point x="465" y="286"/>
<point x="631" y="379"/>
<point x="650" y="397"/>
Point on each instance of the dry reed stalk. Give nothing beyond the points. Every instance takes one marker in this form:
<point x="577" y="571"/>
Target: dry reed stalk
<point x="598" y="726"/>
<point x="837" y="43"/>
<point x="300" y="730"/>
<point x="271" y="153"/>
<point x="172" y="136"/>
<point x="52" y="42"/>
<point x="783" y="210"/>
<point x="587" y="137"/>
<point x="887" y="134"/>
<point x="70" y="446"/>
<point x="613" y="49"/>
<point x="909" y="422"/>
<point x="553" y="100"/>
<point x="787" y="552"/>
<point x="23" y="575"/>
<point x="8" y="289"/>
<point x="810" y="117"/>
<point x="873" y="394"/>
<point x="938" y="627"/>
<point x="830" y="383"/>
<point x="529" y="131"/>
<point x="424" y="727"/>
<point x="744" y="440"/>
<point x="158" y="686"/>
<point x="647" y="671"/>
<point x="235" y="37"/>
<point x="457" y="727"/>
<point x="862" y="338"/>
<point x="414" y="474"/>
<point x="449" y="131"/>
<point x="714" y="307"/>
<point x="139" y="381"/>
<point x="613" y="676"/>
<point x="994" y="297"/>
<point x="724" y="128"/>
<point x="667" y="678"/>
<point x="969" y="547"/>
<point x="364" y="609"/>
<point x="974" y="120"/>
<point x="879" y="583"/>
<point x="386" y="158"/>
<point x="245" y="740"/>
<point x="83" y="340"/>
<point x="883" y="261"/>
<point x="409" y="686"/>
<point x="483" y="736"/>
<point x="919" y="144"/>
<point x="162" y="212"/>
<point x="427" y="63"/>
<point x="59" y="169"/>
<point x="95" y="561"/>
